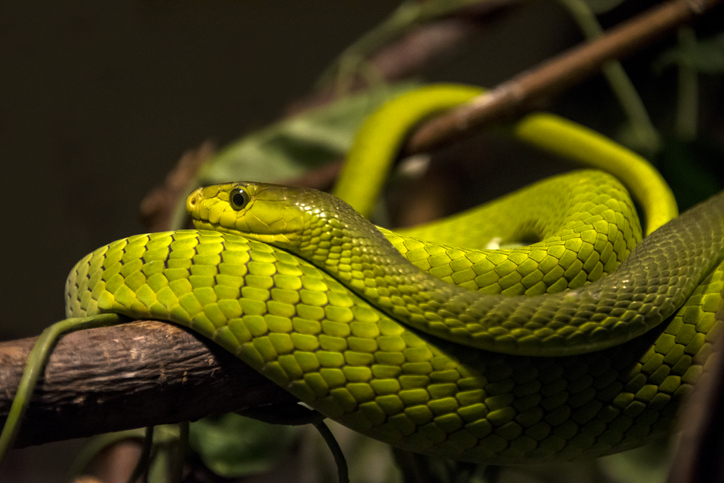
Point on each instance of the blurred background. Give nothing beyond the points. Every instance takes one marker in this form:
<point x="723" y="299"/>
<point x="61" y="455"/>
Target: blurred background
<point x="99" y="101"/>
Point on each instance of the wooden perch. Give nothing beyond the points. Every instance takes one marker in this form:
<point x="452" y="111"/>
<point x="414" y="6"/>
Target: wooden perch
<point x="129" y="376"/>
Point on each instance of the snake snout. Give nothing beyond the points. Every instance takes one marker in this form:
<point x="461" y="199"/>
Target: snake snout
<point x="193" y="200"/>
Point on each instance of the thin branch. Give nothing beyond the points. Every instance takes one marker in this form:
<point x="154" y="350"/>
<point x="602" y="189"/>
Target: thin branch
<point x="408" y="17"/>
<point x="532" y="87"/>
<point x="417" y="48"/>
<point x="645" y="136"/>
<point x="129" y="376"/>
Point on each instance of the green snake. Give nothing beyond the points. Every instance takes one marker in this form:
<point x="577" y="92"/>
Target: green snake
<point x="473" y="354"/>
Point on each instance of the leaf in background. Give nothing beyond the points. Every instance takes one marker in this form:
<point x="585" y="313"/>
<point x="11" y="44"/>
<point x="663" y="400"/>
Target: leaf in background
<point x="289" y="148"/>
<point x="231" y="445"/>
<point x="706" y="56"/>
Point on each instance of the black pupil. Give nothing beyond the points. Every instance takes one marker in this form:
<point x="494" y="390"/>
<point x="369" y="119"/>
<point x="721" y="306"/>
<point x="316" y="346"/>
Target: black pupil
<point x="238" y="199"/>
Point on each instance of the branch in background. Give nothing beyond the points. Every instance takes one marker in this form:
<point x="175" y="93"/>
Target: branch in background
<point x="425" y="47"/>
<point x="415" y="23"/>
<point x="129" y="376"/>
<point x="408" y="52"/>
<point x="526" y="90"/>
<point x="533" y="87"/>
<point x="644" y="136"/>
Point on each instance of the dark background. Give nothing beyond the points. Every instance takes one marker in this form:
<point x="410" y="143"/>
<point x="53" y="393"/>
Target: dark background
<point x="99" y="100"/>
<point x="97" y="103"/>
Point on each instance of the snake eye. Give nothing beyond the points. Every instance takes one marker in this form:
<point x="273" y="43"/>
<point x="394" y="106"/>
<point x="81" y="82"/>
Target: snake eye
<point x="238" y="198"/>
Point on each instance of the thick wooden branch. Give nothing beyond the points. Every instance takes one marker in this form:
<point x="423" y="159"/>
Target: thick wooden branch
<point x="129" y="376"/>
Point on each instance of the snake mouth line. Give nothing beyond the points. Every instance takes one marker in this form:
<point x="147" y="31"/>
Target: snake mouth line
<point x="207" y="225"/>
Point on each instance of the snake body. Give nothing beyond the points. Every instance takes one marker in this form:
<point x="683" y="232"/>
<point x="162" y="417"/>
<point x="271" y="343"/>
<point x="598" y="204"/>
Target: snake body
<point x="381" y="136"/>
<point x="381" y="331"/>
<point x="308" y="332"/>
<point x="326" y="231"/>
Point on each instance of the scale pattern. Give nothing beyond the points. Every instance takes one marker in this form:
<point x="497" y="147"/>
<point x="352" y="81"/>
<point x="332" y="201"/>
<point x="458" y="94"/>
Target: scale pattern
<point x="308" y="333"/>
<point x="647" y="288"/>
<point x="575" y="228"/>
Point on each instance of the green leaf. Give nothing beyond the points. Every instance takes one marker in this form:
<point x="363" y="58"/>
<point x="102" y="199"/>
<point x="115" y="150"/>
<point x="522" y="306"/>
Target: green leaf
<point x="231" y="445"/>
<point x="706" y="55"/>
<point x="289" y="148"/>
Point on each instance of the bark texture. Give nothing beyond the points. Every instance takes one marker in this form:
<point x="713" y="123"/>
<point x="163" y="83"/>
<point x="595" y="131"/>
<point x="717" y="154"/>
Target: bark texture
<point x="129" y="376"/>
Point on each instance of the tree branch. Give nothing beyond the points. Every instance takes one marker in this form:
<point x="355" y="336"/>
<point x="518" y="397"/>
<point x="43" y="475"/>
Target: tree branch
<point x="129" y="376"/>
<point x="530" y="88"/>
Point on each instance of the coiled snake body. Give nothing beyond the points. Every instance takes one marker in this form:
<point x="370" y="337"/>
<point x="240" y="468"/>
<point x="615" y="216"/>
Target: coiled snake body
<point x="311" y="295"/>
<point x="578" y="345"/>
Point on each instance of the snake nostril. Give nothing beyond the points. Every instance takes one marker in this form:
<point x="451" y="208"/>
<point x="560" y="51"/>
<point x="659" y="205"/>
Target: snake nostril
<point x="192" y="200"/>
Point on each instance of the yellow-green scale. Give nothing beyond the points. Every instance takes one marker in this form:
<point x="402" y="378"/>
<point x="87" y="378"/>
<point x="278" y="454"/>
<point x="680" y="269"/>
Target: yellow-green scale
<point x="591" y="227"/>
<point x="309" y="334"/>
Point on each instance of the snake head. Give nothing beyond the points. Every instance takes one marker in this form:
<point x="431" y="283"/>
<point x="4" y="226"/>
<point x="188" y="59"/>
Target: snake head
<point x="305" y="221"/>
<point x="257" y="210"/>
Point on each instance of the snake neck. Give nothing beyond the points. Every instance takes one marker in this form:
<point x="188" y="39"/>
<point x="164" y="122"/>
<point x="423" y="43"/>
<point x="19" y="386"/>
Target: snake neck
<point x="350" y="248"/>
<point x="340" y="241"/>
